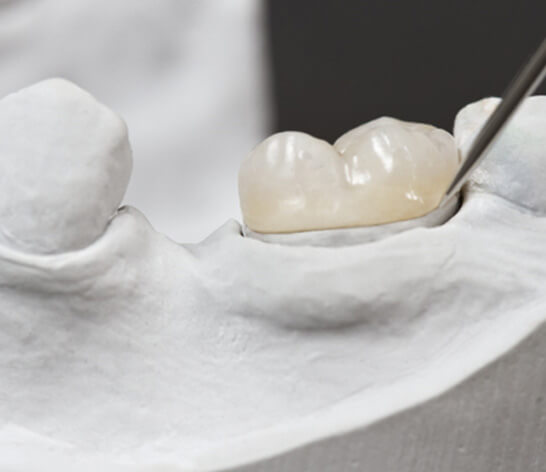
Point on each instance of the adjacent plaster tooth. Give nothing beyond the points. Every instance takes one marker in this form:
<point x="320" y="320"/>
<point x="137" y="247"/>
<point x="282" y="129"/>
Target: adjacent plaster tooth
<point x="384" y="171"/>
<point x="507" y="171"/>
<point x="65" y="162"/>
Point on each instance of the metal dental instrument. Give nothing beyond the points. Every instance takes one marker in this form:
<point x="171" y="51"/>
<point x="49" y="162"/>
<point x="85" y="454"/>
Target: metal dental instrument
<point x="523" y="85"/>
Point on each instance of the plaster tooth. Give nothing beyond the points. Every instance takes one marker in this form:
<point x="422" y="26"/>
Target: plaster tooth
<point x="384" y="171"/>
<point x="65" y="163"/>
<point x="515" y="166"/>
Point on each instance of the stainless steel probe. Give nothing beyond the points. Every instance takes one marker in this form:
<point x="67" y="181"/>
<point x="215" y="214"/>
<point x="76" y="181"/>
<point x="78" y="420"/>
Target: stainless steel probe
<point x="523" y="85"/>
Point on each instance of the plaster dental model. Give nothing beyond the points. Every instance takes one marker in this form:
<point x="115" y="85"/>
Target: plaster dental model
<point x="123" y="350"/>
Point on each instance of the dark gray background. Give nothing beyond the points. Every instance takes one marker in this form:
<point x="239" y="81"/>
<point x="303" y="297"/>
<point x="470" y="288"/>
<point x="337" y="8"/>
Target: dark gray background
<point x="339" y="63"/>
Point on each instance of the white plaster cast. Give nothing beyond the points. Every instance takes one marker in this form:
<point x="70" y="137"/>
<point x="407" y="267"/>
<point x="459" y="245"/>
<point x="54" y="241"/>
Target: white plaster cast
<point x="137" y="353"/>
<point x="494" y="420"/>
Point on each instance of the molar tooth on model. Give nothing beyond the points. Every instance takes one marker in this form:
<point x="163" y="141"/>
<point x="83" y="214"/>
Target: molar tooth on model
<point x="65" y="162"/>
<point x="381" y="172"/>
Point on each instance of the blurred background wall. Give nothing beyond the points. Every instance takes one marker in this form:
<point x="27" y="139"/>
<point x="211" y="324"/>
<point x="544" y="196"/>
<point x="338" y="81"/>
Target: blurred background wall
<point x="337" y="64"/>
<point x="200" y="82"/>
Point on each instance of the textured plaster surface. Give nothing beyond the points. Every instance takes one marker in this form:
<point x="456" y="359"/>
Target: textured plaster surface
<point x="494" y="421"/>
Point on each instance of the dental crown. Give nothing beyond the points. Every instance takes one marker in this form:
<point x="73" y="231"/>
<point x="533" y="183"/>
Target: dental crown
<point x="384" y="171"/>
